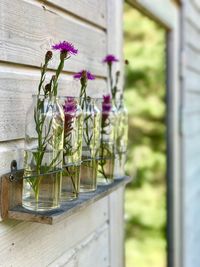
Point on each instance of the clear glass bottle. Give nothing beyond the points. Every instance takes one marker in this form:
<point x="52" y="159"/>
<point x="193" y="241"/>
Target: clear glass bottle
<point x="72" y="150"/>
<point x="121" y="139"/>
<point x="107" y="142"/>
<point x="90" y="148"/>
<point x="43" y="154"/>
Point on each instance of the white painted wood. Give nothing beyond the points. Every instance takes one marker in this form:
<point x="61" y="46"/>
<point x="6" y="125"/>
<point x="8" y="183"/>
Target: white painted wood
<point x="192" y="86"/>
<point x="192" y="59"/>
<point x="31" y="244"/>
<point x="116" y="204"/>
<point x="192" y="37"/>
<point x="162" y="11"/>
<point x="191" y="130"/>
<point x="115" y="34"/>
<point x="93" y="11"/>
<point x="191" y="126"/>
<point x="27" y="30"/>
<point x="116" y="214"/>
<point x="192" y="14"/>
<point x="100" y="256"/>
<point x="196" y="4"/>
<point x="86" y="253"/>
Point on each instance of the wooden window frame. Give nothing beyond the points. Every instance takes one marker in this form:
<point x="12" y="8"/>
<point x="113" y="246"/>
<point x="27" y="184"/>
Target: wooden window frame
<point x="167" y="14"/>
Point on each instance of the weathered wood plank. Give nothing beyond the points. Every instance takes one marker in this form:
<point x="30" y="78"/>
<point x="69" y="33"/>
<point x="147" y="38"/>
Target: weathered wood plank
<point x="191" y="13"/>
<point x="16" y="89"/>
<point x="115" y="35"/>
<point x="93" y="251"/>
<point x="191" y="84"/>
<point x="191" y="126"/>
<point x="192" y="59"/>
<point x="100" y="256"/>
<point x="27" y="30"/>
<point x="196" y="4"/>
<point x="67" y="209"/>
<point x="116" y="207"/>
<point x="93" y="11"/>
<point x="190" y="141"/>
<point x="192" y="35"/>
<point x="42" y="244"/>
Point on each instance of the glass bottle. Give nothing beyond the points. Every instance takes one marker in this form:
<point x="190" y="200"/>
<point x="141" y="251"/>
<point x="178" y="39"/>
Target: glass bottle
<point x="121" y="139"/>
<point x="90" y="148"/>
<point x="72" y="150"/>
<point x="43" y="154"/>
<point x="107" y="142"/>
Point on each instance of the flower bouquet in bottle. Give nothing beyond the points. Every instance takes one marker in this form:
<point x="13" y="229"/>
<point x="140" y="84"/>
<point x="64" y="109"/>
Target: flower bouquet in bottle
<point x="72" y="151"/>
<point x="91" y="134"/>
<point x="44" y="140"/>
<point x="121" y="118"/>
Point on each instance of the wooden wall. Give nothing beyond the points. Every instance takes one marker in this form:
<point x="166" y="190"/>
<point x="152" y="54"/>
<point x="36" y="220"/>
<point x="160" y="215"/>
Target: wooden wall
<point x="191" y="131"/>
<point x="27" y="29"/>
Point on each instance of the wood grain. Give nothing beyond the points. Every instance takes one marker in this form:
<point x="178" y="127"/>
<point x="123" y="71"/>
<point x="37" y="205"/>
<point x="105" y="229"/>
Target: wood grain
<point x="190" y="143"/>
<point x="89" y="10"/>
<point x="80" y="255"/>
<point x="192" y="14"/>
<point x="192" y="88"/>
<point x="196" y="4"/>
<point x="116" y="207"/>
<point x="192" y="37"/>
<point x="43" y="244"/>
<point x="192" y="59"/>
<point x="28" y="30"/>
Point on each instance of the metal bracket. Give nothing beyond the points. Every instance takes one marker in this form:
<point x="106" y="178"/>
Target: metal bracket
<point x="14" y="173"/>
<point x="10" y="190"/>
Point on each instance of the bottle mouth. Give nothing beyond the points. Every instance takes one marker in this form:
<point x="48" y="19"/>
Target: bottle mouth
<point x="78" y="97"/>
<point x="44" y="96"/>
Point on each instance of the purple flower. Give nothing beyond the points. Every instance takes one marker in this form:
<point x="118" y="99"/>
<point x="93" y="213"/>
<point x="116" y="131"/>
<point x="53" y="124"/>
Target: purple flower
<point x="110" y="59"/>
<point x="106" y="99"/>
<point x="106" y="104"/>
<point x="70" y="105"/>
<point x="106" y="108"/>
<point x="65" y="47"/>
<point x="84" y="74"/>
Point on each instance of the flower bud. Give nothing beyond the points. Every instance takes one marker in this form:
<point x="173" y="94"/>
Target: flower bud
<point x="48" y="56"/>
<point x="47" y="88"/>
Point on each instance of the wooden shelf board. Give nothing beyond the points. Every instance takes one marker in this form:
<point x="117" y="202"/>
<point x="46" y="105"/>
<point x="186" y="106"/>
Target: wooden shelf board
<point x="69" y="208"/>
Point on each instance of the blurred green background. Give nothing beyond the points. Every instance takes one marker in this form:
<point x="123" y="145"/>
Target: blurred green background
<point x="145" y="203"/>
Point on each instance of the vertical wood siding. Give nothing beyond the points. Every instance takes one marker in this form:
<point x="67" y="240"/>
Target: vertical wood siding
<point x="27" y="30"/>
<point x="191" y="132"/>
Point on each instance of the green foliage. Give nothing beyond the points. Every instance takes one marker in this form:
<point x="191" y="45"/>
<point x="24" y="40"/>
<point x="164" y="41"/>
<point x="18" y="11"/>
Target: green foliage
<point x="145" y="99"/>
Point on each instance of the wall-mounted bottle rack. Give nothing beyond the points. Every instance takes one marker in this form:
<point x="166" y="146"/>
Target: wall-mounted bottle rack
<point x="11" y="199"/>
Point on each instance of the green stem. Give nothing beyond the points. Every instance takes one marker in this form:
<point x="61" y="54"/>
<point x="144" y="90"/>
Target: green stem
<point x="58" y="71"/>
<point x="110" y="77"/>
